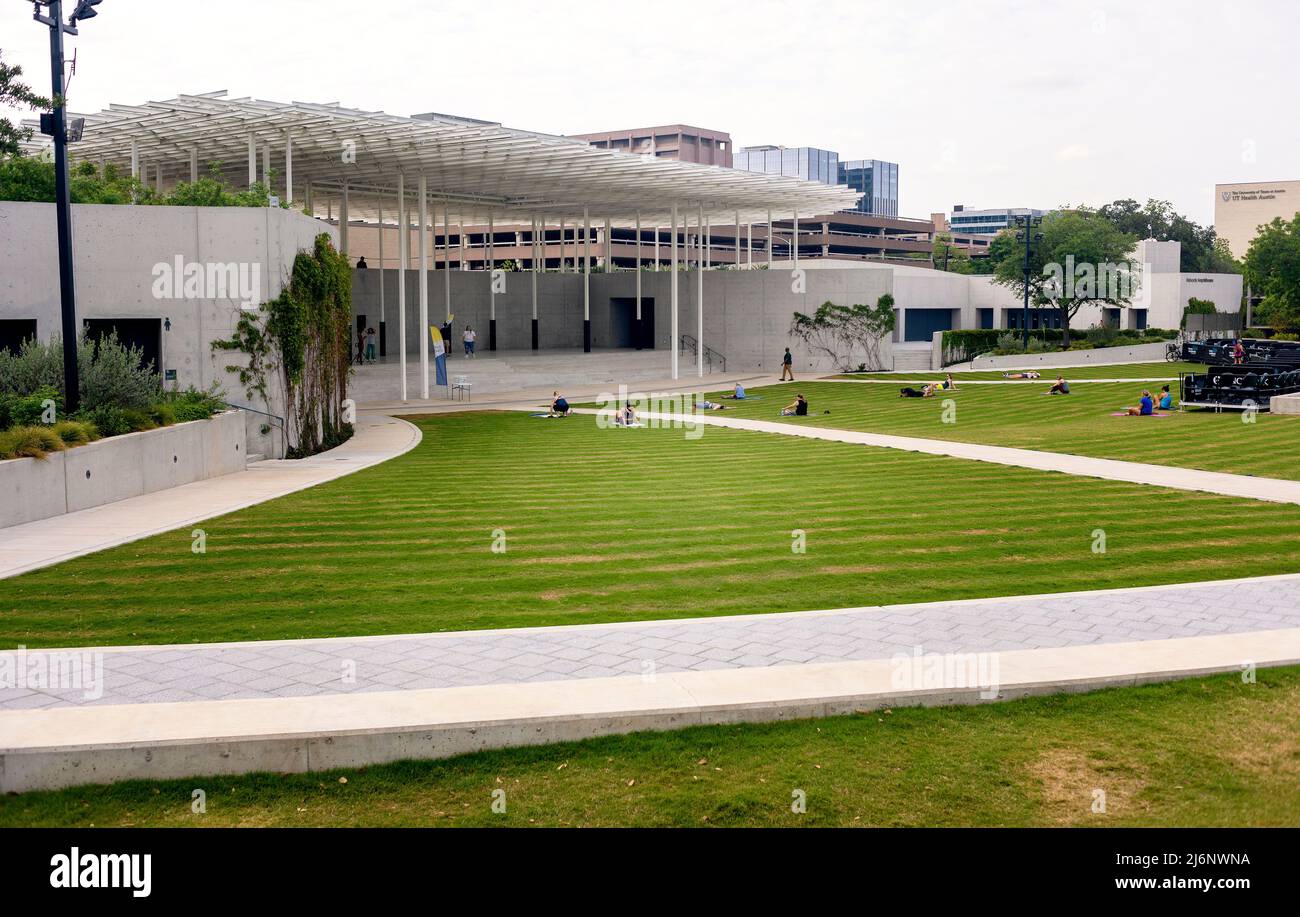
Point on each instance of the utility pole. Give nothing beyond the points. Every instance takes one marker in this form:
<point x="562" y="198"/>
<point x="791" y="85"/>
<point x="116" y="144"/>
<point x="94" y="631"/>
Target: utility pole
<point x="56" y="125"/>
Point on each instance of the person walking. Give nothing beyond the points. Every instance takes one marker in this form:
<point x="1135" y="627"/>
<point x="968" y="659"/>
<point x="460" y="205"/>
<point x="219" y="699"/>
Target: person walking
<point x="469" y="338"/>
<point x="787" y="366"/>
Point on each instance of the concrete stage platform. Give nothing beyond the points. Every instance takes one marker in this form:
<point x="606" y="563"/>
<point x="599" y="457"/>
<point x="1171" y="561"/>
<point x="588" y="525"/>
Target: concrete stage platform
<point x="520" y="370"/>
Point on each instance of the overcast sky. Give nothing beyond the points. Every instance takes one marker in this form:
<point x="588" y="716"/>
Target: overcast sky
<point x="988" y="104"/>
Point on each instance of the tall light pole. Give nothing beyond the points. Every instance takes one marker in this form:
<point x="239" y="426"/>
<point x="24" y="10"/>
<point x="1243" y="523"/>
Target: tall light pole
<point x="56" y="125"/>
<point x="1027" y="235"/>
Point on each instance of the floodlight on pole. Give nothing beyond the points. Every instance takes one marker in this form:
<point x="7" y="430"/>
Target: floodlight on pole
<point x="56" y="125"/>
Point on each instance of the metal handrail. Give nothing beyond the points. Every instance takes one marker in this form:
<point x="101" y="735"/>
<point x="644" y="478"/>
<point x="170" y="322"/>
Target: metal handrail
<point x="710" y="355"/>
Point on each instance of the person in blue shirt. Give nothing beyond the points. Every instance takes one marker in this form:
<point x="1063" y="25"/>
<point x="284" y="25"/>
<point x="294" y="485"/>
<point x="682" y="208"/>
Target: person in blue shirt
<point x="738" y="394"/>
<point x="1166" y="399"/>
<point x="1145" y="408"/>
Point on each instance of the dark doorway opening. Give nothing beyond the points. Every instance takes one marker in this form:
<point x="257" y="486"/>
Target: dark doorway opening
<point x="14" y="332"/>
<point x="143" y="333"/>
<point x="623" y="325"/>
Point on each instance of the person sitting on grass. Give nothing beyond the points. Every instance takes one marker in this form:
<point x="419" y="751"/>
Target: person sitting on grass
<point x="559" y="406"/>
<point x="1027" y="374"/>
<point x="1166" y="398"/>
<point x="949" y="384"/>
<point x="738" y="394"/>
<point x="625" y="416"/>
<point x="796" y="408"/>
<point x="1145" y="408"/>
<point x="1059" y="387"/>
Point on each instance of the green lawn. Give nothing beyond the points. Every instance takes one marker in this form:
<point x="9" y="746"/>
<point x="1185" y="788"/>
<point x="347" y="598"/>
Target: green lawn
<point x="607" y="525"/>
<point x="1030" y="762"/>
<point x="1163" y="370"/>
<point x="1021" y="415"/>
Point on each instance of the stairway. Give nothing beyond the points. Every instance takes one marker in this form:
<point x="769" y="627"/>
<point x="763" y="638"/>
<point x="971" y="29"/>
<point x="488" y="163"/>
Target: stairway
<point x="912" y="359"/>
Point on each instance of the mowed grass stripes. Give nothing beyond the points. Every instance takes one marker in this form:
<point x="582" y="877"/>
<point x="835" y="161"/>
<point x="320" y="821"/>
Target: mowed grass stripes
<point x="609" y="525"/>
<point x="1021" y="415"/>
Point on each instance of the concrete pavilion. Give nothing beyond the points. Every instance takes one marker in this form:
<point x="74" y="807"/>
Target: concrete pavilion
<point x="350" y="164"/>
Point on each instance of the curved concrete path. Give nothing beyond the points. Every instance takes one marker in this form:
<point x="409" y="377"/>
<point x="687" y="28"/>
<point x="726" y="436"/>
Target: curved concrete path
<point x="33" y="545"/>
<point x="1275" y="490"/>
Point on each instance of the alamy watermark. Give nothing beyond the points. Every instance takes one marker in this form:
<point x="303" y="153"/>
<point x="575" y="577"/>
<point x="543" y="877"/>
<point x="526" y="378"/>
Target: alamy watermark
<point x="60" y="670"/>
<point x="658" y="410"/>
<point x="181" y="279"/>
<point x="922" y="671"/>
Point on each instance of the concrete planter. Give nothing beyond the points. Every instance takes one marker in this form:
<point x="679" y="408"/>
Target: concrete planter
<point x="1137" y="353"/>
<point x="120" y="467"/>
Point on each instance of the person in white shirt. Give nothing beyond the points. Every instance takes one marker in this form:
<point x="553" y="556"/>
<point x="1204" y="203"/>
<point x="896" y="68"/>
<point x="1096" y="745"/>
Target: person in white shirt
<point x="469" y="338"/>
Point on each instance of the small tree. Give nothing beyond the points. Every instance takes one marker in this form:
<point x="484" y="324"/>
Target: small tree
<point x="1197" y="307"/>
<point x="14" y="93"/>
<point x="1082" y="259"/>
<point x="838" y="331"/>
<point x="1273" y="270"/>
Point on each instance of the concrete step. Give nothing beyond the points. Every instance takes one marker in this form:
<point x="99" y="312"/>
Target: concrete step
<point x="912" y="360"/>
<point x="255" y="457"/>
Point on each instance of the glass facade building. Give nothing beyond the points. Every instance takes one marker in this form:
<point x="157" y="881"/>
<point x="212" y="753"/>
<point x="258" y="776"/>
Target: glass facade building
<point x="878" y="182"/>
<point x="805" y="162"/>
<point x="875" y="178"/>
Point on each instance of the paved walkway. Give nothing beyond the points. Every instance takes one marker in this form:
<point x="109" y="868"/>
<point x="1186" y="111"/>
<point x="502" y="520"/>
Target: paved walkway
<point x="1274" y="490"/>
<point x="50" y="541"/>
<point x="299" y="668"/>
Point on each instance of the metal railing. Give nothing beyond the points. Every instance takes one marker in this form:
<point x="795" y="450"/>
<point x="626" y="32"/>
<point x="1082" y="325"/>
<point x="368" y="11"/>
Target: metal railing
<point x="711" y="356"/>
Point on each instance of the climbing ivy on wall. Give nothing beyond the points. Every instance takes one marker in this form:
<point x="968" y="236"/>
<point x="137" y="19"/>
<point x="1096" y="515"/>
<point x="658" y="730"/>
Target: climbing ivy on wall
<point x="303" y="335"/>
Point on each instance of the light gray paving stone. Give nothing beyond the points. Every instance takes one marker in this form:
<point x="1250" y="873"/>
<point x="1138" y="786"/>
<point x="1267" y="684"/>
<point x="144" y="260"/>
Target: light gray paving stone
<point x="315" y="667"/>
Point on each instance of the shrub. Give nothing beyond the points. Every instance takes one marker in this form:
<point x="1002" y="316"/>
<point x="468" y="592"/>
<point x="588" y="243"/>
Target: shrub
<point x="139" y="420"/>
<point x="107" y="419"/>
<point x="163" y="414"/>
<point x="29" y="442"/>
<point x="29" y="410"/>
<point x="1286" y="336"/>
<point x="111" y="374"/>
<point x="75" y="432"/>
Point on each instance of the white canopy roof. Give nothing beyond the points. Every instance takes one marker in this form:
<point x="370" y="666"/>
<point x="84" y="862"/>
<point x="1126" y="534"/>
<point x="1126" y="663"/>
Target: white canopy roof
<point x="476" y="168"/>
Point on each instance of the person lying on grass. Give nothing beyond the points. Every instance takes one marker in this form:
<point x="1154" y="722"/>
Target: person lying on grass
<point x="909" y="392"/>
<point x="1027" y="374"/>
<point x="1059" y="387"/>
<point x="559" y="406"/>
<point x="707" y="405"/>
<point x="796" y="408"/>
<point x="1145" y="408"/>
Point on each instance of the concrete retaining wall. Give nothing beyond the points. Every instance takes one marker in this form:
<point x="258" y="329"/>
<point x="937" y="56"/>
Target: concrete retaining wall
<point x="1139" y="353"/>
<point x="120" y="467"/>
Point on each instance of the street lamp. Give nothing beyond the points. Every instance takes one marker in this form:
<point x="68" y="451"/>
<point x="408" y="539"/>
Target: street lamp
<point x="56" y="125"/>
<point x="1026" y="234"/>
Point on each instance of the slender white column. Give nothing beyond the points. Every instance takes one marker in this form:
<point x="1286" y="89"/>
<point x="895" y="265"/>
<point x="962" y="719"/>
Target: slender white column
<point x="769" y="239"/>
<point x="266" y="166"/>
<point x="343" y="223"/>
<point x="135" y="159"/>
<point x="564" y="269"/>
<point x="194" y="164"/>
<point x="252" y="161"/>
<point x="446" y="257"/>
<point x="637" y="331"/>
<point x="492" y="266"/>
<point x="157" y="178"/>
<point x="737" y="240"/>
<point x="672" y="247"/>
<point x="794" y="240"/>
<point x="708" y="243"/>
<point x="656" y="246"/>
<point x="699" y="299"/>
<point x="288" y="168"/>
<point x="749" y="243"/>
<point x="534" y="239"/>
<point x="403" y="247"/>
<point x="586" y="265"/>
<point x="381" y="258"/>
<point x="609" y="246"/>
<point x="424" y="287"/>
<point x="306" y="193"/>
